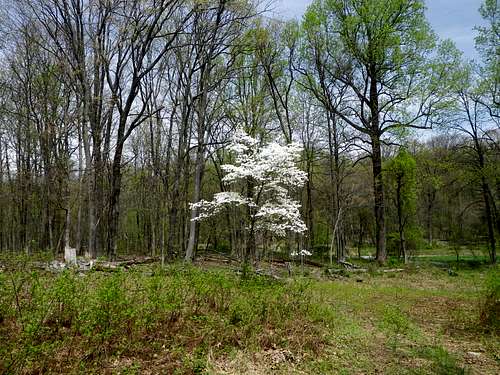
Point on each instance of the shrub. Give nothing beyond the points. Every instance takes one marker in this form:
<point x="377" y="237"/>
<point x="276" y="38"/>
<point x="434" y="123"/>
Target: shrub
<point x="395" y="321"/>
<point x="443" y="363"/>
<point x="107" y="310"/>
<point x="490" y="309"/>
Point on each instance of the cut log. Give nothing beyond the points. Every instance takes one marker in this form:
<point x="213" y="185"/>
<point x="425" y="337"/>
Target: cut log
<point x="346" y="272"/>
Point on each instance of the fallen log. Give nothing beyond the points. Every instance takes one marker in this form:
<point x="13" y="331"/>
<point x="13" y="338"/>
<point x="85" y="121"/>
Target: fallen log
<point x="133" y="262"/>
<point x="393" y="270"/>
<point x="348" y="265"/>
<point x="205" y="258"/>
<point x="305" y="261"/>
<point x="83" y="264"/>
<point x="106" y="268"/>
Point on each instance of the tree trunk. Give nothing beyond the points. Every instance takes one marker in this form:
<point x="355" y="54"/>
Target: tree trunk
<point x="114" y="204"/>
<point x="378" y="189"/>
<point x="486" y="196"/>
<point x="378" y="182"/>
<point x="180" y="162"/>
<point x="80" y="199"/>
<point x="193" y="225"/>
<point x="334" y="166"/>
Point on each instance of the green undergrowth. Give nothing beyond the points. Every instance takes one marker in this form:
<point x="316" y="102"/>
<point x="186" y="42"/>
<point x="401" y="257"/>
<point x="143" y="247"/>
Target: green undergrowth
<point x="490" y="309"/>
<point x="49" y="321"/>
<point x="188" y="320"/>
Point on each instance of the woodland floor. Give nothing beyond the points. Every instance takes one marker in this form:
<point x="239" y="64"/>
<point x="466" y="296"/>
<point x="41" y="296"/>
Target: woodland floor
<point x="206" y="319"/>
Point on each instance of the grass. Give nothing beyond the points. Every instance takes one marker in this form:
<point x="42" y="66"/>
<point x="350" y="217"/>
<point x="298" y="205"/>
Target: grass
<point x="188" y="320"/>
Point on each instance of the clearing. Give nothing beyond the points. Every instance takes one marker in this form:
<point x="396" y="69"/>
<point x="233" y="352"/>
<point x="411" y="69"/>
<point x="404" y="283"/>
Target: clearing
<point x="206" y="318"/>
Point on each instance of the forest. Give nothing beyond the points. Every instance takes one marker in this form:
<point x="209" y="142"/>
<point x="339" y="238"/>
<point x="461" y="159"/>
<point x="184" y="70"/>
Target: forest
<point x="110" y="132"/>
<point x="165" y="162"/>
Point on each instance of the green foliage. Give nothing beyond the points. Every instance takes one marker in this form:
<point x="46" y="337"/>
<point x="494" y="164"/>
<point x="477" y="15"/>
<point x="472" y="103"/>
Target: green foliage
<point x="109" y="310"/>
<point x="372" y="30"/>
<point x="487" y="42"/>
<point x="391" y="37"/>
<point x="401" y="172"/>
<point x="394" y="261"/>
<point x="113" y="314"/>
<point x="490" y="309"/>
<point x="413" y="237"/>
<point x="397" y="325"/>
<point x="395" y="321"/>
<point x="186" y="320"/>
<point x="443" y="363"/>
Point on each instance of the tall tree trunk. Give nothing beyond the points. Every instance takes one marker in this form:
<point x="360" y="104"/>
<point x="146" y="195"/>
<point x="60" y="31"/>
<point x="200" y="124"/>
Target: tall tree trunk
<point x="78" y="244"/>
<point x="114" y="203"/>
<point x="201" y="112"/>
<point x="378" y="182"/>
<point x="486" y="197"/>
<point x="193" y="224"/>
<point x="90" y="172"/>
<point x="378" y="189"/>
<point x="180" y="163"/>
<point x="334" y="166"/>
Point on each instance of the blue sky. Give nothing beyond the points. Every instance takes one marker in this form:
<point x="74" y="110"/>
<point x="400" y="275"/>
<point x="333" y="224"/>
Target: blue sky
<point x="454" y="19"/>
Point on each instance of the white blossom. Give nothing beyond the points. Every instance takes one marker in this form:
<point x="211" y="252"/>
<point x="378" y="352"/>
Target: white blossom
<point x="280" y="216"/>
<point x="273" y="171"/>
<point x="207" y="209"/>
<point x="273" y="163"/>
<point x="242" y="143"/>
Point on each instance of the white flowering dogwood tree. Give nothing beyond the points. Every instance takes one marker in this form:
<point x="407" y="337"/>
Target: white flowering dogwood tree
<point x="268" y="173"/>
